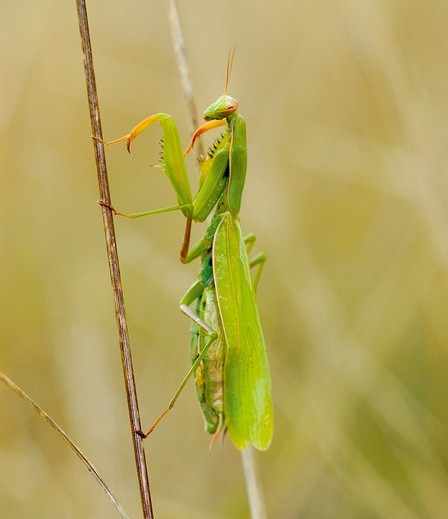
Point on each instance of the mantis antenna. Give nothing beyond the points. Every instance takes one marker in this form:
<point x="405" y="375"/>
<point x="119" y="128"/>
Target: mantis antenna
<point x="229" y="68"/>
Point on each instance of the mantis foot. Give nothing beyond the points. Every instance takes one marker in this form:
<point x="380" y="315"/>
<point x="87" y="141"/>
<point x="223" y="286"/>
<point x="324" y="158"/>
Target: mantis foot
<point x="105" y="204"/>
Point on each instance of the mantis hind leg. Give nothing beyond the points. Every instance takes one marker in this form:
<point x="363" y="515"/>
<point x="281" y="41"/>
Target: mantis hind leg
<point x="257" y="261"/>
<point x="193" y="293"/>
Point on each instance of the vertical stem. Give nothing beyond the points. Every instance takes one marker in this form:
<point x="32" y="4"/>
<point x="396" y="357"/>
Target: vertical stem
<point x="114" y="267"/>
<point x="253" y="484"/>
<point x="177" y="35"/>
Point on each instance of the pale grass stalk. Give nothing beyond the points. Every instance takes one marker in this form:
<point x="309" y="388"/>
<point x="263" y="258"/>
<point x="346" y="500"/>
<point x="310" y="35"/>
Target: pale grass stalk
<point x="88" y="464"/>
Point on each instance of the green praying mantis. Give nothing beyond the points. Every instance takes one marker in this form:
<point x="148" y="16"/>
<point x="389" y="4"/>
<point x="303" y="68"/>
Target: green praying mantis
<point x="229" y="361"/>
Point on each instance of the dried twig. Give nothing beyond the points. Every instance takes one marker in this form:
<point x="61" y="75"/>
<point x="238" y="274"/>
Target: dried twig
<point x="114" y="267"/>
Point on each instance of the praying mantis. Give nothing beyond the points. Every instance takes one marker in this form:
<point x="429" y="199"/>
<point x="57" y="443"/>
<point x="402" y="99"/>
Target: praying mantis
<point x="229" y="360"/>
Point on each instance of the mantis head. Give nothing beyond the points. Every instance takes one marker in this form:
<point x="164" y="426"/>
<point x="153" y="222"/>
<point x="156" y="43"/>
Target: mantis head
<point x="224" y="107"/>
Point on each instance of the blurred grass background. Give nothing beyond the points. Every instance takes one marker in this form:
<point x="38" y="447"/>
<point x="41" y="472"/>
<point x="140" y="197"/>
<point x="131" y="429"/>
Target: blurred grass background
<point x="346" y="105"/>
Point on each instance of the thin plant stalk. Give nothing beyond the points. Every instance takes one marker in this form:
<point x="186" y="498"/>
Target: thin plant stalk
<point x="177" y="36"/>
<point x="253" y="484"/>
<point x="114" y="267"/>
<point x="45" y="416"/>
<point x="252" y="477"/>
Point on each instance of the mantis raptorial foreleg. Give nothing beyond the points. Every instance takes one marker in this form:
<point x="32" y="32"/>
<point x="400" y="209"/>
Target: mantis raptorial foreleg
<point x="213" y="169"/>
<point x="173" y="160"/>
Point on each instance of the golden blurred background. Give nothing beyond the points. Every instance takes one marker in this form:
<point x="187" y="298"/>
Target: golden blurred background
<point x="347" y="190"/>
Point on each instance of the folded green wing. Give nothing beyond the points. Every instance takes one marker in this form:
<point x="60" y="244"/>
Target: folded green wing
<point x="247" y="385"/>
